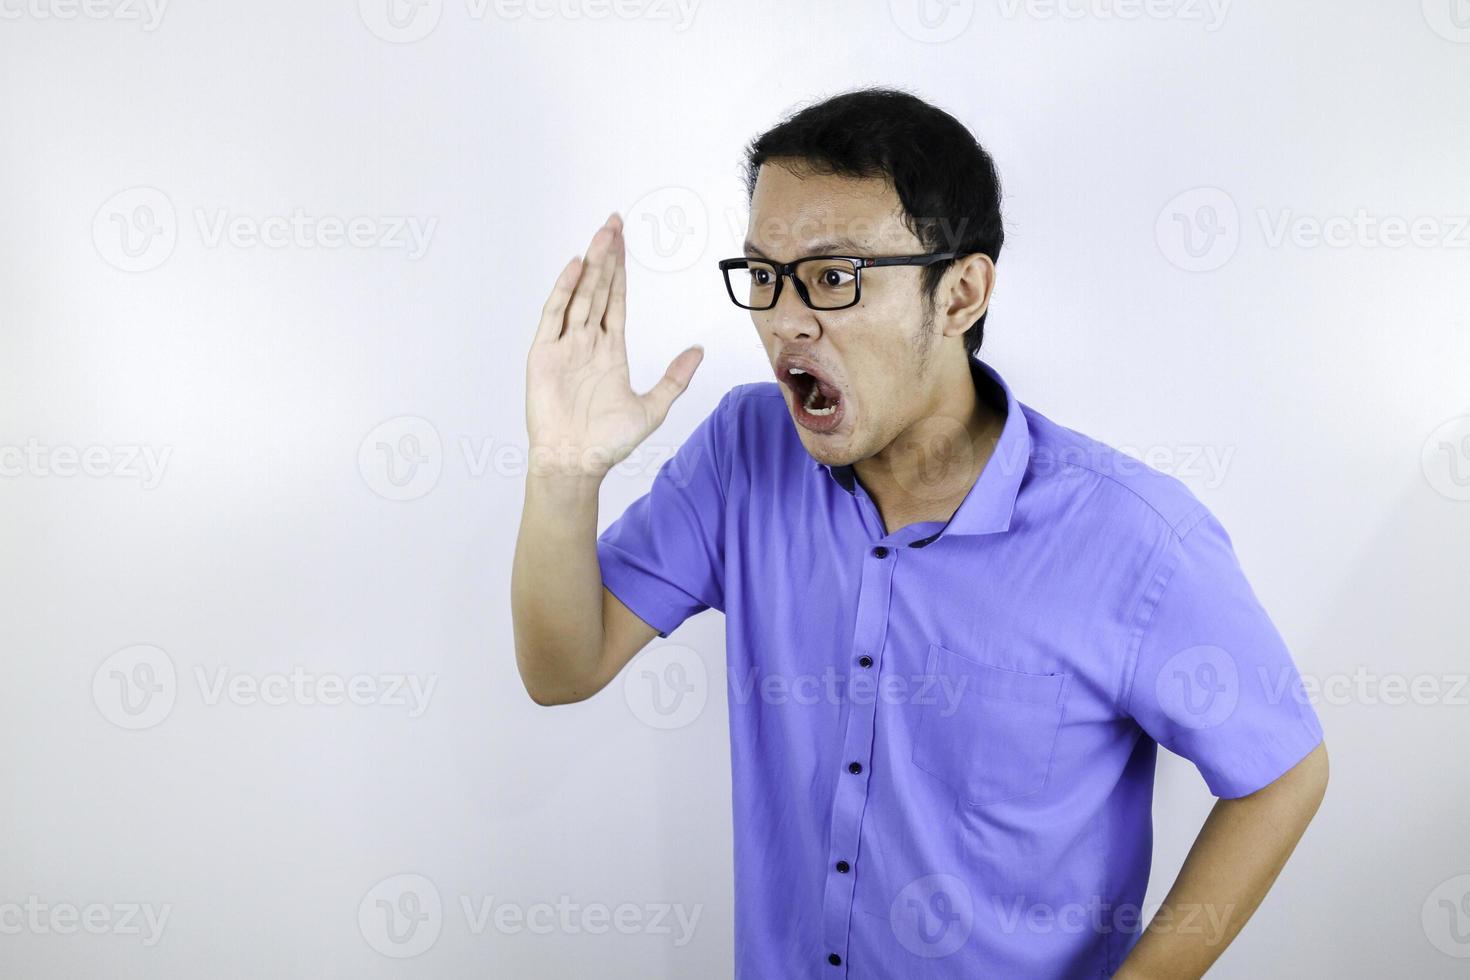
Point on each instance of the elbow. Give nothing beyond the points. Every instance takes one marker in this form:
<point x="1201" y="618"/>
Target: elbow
<point x="548" y="698"/>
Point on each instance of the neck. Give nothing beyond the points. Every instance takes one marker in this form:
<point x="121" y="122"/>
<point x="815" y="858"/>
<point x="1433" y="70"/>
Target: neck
<point x="926" y="471"/>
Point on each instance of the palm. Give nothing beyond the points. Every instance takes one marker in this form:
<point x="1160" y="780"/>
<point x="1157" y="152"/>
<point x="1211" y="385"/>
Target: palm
<point x="582" y="414"/>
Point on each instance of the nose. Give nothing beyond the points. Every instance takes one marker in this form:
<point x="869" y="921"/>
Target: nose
<point x="791" y="319"/>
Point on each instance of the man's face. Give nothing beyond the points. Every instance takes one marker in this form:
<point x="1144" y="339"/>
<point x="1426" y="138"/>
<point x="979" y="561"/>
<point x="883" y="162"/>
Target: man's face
<point x="873" y="358"/>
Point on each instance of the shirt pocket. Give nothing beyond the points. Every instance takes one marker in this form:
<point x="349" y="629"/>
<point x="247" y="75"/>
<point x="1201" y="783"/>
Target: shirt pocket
<point x="989" y="731"/>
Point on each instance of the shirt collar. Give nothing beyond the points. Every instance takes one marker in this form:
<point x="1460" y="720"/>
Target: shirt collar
<point x="988" y="506"/>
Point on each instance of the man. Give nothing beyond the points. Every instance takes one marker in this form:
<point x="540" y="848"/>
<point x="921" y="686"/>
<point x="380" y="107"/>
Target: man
<point x="957" y="631"/>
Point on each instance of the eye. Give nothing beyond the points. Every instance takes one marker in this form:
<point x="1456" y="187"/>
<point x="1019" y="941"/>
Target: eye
<point x="835" y="278"/>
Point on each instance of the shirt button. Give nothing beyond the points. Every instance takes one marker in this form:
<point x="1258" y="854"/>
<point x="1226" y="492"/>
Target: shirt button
<point x="843" y="867"/>
<point x="834" y="959"/>
<point x="865" y="661"/>
<point x="880" y="552"/>
<point x="854" y="767"/>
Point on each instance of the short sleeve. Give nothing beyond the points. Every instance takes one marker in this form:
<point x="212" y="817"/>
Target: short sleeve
<point x="664" y="558"/>
<point x="1213" y="679"/>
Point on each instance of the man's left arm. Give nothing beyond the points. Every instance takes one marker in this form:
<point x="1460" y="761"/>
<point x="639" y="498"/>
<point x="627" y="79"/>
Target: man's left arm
<point x="1214" y="682"/>
<point x="1240" y="850"/>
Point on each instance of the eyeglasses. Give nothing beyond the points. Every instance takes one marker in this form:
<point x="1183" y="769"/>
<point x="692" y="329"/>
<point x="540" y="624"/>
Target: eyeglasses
<point x="824" y="282"/>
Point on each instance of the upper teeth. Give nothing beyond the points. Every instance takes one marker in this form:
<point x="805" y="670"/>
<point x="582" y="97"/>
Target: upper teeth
<point x="795" y="371"/>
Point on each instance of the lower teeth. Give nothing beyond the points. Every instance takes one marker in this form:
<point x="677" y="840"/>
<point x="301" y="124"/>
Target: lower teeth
<point x="812" y="397"/>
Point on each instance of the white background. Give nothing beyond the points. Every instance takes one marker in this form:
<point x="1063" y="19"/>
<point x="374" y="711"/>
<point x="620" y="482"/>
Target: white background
<point x="262" y="379"/>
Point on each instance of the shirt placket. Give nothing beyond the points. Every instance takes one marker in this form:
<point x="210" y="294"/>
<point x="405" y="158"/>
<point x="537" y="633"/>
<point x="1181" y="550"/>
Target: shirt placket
<point x="851" y="796"/>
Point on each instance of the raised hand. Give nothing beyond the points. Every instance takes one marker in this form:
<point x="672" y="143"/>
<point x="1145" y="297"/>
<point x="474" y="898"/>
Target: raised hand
<point x="582" y="414"/>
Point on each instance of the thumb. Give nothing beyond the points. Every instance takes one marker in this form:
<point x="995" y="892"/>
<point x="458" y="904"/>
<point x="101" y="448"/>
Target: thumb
<point x="675" y="380"/>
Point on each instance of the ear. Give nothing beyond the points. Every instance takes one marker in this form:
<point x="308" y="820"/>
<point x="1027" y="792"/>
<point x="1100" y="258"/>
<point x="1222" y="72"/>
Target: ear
<point x="970" y="281"/>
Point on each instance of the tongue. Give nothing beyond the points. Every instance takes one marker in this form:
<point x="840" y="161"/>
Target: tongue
<point x="826" y="394"/>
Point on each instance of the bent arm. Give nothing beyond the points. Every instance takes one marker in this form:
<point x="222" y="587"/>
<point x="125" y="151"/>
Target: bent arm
<point x="1240" y="850"/>
<point x="572" y="635"/>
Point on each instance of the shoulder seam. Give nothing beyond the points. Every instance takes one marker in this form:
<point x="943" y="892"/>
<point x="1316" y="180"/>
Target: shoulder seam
<point x="1180" y="529"/>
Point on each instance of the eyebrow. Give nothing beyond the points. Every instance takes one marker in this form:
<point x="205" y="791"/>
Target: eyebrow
<point x="828" y="247"/>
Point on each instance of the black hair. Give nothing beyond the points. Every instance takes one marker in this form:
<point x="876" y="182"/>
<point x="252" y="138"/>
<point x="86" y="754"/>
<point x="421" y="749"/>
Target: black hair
<point x="945" y="180"/>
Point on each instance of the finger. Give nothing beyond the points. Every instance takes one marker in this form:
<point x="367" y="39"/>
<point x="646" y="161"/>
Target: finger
<point x="604" y="284"/>
<point x="673" y="384"/>
<point x="587" y="286"/>
<point x="617" y="300"/>
<point x="555" y="306"/>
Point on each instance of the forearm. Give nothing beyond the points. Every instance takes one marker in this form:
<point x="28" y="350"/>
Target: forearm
<point x="556" y="588"/>
<point x="1240" y="850"/>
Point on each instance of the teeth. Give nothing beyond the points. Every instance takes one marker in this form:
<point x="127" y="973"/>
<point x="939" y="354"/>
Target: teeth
<point x="811" y="397"/>
<point x="796" y="371"/>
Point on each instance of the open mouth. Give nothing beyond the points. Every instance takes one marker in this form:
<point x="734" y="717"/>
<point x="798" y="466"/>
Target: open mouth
<point x="816" y="396"/>
<point x="817" y="403"/>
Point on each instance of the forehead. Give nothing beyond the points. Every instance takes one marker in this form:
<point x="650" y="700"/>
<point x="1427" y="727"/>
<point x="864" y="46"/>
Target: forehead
<point x="795" y="212"/>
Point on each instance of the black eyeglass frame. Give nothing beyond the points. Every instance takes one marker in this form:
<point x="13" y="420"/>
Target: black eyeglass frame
<point x="788" y="269"/>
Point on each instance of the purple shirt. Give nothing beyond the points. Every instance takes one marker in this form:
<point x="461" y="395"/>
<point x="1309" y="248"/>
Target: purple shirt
<point x="943" y="738"/>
